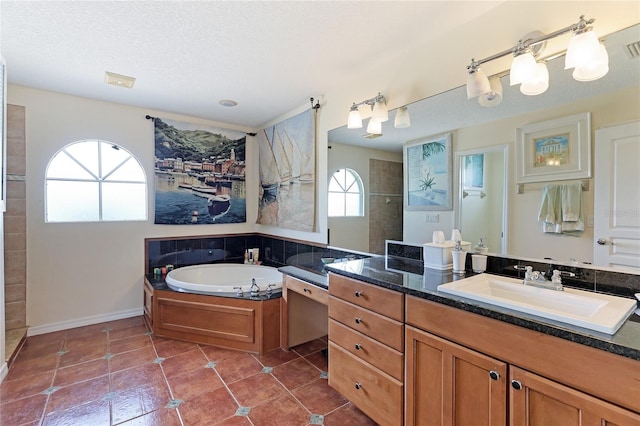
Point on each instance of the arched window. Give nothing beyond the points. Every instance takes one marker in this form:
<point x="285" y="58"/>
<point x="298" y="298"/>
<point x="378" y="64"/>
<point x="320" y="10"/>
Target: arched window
<point x="94" y="181"/>
<point x="346" y="194"/>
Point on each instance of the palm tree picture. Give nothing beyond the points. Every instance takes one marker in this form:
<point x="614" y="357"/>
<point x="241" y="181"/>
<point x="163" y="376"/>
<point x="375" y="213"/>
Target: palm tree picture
<point x="429" y="177"/>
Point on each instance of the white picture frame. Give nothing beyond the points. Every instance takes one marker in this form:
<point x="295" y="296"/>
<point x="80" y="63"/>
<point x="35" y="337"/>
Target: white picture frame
<point x="428" y="160"/>
<point x="558" y="149"/>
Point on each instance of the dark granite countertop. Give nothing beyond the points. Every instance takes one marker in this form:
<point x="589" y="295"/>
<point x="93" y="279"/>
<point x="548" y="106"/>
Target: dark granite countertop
<point x="410" y="277"/>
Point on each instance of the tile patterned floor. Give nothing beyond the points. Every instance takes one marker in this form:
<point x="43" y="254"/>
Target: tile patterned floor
<point x="117" y="373"/>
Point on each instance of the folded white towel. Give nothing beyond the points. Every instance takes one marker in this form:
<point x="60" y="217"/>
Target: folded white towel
<point x="571" y="202"/>
<point x="550" y="206"/>
<point x="561" y="210"/>
<point x="572" y="209"/>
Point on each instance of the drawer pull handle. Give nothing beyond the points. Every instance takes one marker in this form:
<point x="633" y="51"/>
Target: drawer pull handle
<point x="306" y="290"/>
<point x="516" y="385"/>
<point x="494" y="375"/>
<point x="358" y="385"/>
<point x="358" y="346"/>
<point x="358" y="293"/>
<point x="358" y="320"/>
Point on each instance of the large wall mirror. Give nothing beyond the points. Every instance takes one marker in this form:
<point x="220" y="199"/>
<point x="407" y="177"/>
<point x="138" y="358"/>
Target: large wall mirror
<point x="476" y="131"/>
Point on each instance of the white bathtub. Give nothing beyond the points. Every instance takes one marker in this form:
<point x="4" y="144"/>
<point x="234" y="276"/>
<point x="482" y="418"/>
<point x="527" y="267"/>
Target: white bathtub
<point x="221" y="278"/>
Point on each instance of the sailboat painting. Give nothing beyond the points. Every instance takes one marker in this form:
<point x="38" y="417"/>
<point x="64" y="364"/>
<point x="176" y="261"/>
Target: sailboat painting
<point x="287" y="173"/>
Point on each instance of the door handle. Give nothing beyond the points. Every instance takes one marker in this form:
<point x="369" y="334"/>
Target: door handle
<point x="603" y="241"/>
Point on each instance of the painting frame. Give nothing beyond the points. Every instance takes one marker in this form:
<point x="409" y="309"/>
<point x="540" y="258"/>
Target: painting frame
<point x="558" y="149"/>
<point x="429" y="173"/>
<point x="473" y="176"/>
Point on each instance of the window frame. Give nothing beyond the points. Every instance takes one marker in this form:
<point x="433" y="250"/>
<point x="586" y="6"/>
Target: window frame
<point x="99" y="179"/>
<point x="357" y="180"/>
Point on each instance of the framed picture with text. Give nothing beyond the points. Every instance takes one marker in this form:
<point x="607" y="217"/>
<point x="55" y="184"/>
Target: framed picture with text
<point x="558" y="149"/>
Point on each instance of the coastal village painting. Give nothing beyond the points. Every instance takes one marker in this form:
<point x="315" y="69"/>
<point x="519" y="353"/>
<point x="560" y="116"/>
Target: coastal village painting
<point x="287" y="173"/>
<point x="199" y="174"/>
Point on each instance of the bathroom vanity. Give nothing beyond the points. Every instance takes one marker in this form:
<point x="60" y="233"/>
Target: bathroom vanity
<point x="405" y="353"/>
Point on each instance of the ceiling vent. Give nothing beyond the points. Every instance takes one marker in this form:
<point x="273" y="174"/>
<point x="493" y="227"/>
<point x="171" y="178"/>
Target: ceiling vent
<point x="118" y="80"/>
<point x="371" y="135"/>
<point x="633" y="49"/>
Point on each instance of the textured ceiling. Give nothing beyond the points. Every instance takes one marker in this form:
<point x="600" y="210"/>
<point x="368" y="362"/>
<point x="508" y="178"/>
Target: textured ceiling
<point x="186" y="56"/>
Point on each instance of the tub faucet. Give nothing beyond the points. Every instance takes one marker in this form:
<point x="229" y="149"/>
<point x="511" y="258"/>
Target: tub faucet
<point x="537" y="279"/>
<point x="254" y="290"/>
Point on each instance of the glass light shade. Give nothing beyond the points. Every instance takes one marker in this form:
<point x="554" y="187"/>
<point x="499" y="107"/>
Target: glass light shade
<point x="374" y="127"/>
<point x="380" y="112"/>
<point x="523" y="68"/>
<point x="354" y="121"/>
<point x="582" y="50"/>
<point x="598" y="67"/>
<point x="494" y="96"/>
<point x="477" y="83"/>
<point x="539" y="84"/>
<point x="403" y="119"/>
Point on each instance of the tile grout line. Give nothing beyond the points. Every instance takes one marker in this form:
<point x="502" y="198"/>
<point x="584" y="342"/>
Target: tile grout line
<point x="166" y="379"/>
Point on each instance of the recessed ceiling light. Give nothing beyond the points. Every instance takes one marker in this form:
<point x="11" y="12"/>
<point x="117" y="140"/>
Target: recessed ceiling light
<point x="228" y="103"/>
<point x="118" y="80"/>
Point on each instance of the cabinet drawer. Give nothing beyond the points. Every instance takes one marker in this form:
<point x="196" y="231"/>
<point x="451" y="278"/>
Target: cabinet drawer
<point x="386" y="302"/>
<point x="372" y="324"/>
<point x="381" y="356"/>
<point x="377" y="394"/>
<point x="309" y="290"/>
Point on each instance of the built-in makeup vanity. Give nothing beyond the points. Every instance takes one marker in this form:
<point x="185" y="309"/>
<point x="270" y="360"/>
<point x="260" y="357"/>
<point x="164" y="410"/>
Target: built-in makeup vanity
<point x="405" y="353"/>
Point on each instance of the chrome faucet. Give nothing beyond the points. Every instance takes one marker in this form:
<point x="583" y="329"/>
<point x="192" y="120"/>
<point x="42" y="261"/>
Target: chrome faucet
<point x="254" y="290"/>
<point x="537" y="279"/>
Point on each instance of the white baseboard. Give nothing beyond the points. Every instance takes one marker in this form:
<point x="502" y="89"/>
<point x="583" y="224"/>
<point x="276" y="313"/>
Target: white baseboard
<point x="3" y="371"/>
<point x="65" y="325"/>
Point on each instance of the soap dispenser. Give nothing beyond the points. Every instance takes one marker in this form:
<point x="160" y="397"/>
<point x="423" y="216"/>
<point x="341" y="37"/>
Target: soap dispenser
<point x="481" y="248"/>
<point x="459" y="258"/>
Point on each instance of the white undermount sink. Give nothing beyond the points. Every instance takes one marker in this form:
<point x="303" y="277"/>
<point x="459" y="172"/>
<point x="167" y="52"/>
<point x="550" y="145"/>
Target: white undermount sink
<point x="594" y="311"/>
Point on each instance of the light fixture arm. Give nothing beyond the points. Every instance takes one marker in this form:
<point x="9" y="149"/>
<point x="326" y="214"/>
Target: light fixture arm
<point x="581" y="26"/>
<point x="371" y="102"/>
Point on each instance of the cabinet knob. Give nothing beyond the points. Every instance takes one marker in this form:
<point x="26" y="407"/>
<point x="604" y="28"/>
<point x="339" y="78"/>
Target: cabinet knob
<point x="358" y="293"/>
<point x="494" y="375"/>
<point x="516" y="384"/>
<point x="306" y="290"/>
<point x="358" y="346"/>
<point x="358" y="320"/>
<point x="358" y="385"/>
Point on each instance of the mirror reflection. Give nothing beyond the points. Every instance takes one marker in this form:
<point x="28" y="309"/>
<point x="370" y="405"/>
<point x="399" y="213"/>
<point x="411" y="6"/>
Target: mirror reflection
<point x="610" y="100"/>
<point x="482" y="197"/>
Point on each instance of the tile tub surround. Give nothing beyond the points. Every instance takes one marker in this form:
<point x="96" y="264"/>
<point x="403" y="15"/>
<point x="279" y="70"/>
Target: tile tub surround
<point x="276" y="252"/>
<point x="410" y="277"/>
<point x="117" y="373"/>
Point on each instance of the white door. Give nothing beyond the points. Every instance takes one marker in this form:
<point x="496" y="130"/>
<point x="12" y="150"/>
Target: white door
<point x="617" y="196"/>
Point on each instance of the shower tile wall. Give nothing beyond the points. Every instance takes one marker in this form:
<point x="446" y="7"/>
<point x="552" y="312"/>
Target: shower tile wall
<point x="15" y="229"/>
<point x="385" y="203"/>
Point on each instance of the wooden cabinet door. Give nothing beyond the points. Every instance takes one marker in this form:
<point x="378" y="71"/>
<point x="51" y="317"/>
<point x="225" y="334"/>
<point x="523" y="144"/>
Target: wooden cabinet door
<point x="448" y="384"/>
<point x="536" y="401"/>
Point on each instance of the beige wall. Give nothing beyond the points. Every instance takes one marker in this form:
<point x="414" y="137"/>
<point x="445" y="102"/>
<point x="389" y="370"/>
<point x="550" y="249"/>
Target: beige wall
<point x="90" y="271"/>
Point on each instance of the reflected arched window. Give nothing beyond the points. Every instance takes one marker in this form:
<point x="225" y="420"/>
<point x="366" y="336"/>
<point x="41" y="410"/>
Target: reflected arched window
<point x="95" y="181"/>
<point x="346" y="194"/>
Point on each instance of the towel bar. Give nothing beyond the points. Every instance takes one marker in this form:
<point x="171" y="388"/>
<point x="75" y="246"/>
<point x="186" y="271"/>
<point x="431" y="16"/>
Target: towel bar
<point x="520" y="186"/>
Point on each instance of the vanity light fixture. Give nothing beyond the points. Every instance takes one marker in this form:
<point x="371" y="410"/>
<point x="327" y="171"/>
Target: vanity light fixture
<point x="403" y="119"/>
<point x="379" y="113"/>
<point x="374" y="127"/>
<point x="492" y="97"/>
<point x="585" y="54"/>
